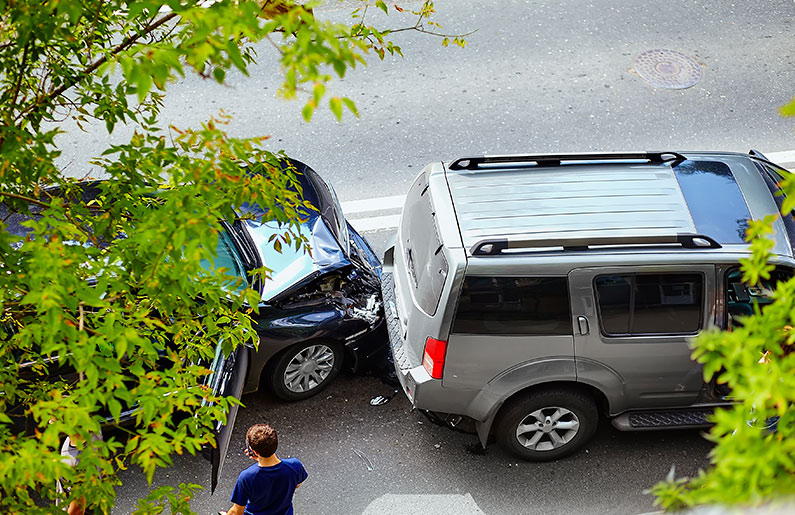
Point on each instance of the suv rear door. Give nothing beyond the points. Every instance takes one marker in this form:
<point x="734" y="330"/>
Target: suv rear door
<point x="503" y="323"/>
<point x="633" y="326"/>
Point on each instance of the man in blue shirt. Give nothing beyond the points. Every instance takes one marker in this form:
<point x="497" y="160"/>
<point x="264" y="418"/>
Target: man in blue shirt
<point x="266" y="487"/>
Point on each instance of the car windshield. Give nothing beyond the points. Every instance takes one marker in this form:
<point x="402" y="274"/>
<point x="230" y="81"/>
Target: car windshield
<point x="713" y="196"/>
<point x="228" y="258"/>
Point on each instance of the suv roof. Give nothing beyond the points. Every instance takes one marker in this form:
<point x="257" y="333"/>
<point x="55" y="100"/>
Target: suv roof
<point x="697" y="199"/>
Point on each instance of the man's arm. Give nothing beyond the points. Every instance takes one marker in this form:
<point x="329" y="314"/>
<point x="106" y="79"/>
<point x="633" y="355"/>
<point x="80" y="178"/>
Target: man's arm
<point x="236" y="509"/>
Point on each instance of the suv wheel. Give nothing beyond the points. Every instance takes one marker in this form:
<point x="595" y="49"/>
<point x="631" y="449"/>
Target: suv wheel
<point x="547" y="425"/>
<point x="305" y="369"/>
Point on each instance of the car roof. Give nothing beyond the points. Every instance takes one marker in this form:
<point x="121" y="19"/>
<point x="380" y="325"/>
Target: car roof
<point x="560" y="200"/>
<point x="88" y="191"/>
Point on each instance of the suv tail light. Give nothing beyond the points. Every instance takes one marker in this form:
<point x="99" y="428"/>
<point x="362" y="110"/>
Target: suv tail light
<point x="433" y="359"/>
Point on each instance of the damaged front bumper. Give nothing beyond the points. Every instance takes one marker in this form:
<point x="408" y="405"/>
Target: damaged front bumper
<point x="364" y="345"/>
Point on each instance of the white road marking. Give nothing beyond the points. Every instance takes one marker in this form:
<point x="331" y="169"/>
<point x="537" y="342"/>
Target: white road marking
<point x="421" y="504"/>
<point x="373" y="204"/>
<point x="395" y="202"/>
<point x="782" y="158"/>
<point x="375" y="223"/>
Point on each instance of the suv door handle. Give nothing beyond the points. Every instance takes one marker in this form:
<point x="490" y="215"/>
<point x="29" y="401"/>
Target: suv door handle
<point x="582" y="324"/>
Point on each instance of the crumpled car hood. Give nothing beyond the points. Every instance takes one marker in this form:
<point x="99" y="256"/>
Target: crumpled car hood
<point x="291" y="267"/>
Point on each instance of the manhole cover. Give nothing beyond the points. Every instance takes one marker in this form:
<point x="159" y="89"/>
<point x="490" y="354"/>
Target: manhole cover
<point x="667" y="69"/>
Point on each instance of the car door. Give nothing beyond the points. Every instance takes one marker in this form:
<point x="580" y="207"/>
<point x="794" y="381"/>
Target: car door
<point x="633" y="327"/>
<point x="227" y="379"/>
<point x="510" y="329"/>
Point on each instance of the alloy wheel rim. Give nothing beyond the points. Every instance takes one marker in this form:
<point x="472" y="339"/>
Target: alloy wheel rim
<point x="547" y="429"/>
<point x="309" y="368"/>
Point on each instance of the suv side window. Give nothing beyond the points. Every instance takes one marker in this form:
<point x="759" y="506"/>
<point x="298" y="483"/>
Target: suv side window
<point x="743" y="300"/>
<point x="514" y="305"/>
<point x="647" y="304"/>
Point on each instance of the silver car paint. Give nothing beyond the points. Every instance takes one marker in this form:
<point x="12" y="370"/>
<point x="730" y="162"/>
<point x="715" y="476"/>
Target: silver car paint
<point x="482" y="371"/>
<point x="638" y="371"/>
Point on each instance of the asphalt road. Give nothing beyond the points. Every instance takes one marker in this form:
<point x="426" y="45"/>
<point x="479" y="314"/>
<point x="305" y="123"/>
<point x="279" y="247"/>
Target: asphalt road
<point x="391" y="460"/>
<point x="537" y="76"/>
<point x="416" y="467"/>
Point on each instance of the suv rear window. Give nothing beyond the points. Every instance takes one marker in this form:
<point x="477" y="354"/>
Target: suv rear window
<point x="644" y="304"/>
<point x="514" y="305"/>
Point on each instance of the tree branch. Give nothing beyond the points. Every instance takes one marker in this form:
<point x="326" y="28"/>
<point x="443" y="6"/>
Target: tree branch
<point x="128" y="42"/>
<point x="24" y="198"/>
<point x="45" y="205"/>
<point x="275" y="45"/>
<point x="418" y="28"/>
<point x="21" y="73"/>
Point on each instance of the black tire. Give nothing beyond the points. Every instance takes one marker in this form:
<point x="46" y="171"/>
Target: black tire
<point x="547" y="425"/>
<point x="305" y="369"/>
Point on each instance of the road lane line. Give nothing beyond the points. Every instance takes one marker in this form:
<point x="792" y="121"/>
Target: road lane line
<point x="421" y="504"/>
<point x="785" y="157"/>
<point x="373" y="204"/>
<point x="375" y="223"/>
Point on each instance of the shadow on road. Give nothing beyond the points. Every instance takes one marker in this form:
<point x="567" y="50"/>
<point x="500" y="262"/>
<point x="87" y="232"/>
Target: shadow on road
<point x="359" y="455"/>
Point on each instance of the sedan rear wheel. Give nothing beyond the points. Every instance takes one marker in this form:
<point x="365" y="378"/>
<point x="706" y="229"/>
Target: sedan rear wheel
<point x="305" y="369"/>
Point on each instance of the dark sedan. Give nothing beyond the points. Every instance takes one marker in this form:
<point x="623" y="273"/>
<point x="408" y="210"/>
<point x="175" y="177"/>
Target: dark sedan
<point x="319" y="312"/>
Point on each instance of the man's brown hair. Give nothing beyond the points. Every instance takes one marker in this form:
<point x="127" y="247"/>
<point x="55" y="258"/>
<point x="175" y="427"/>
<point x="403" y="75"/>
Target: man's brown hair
<point x="262" y="438"/>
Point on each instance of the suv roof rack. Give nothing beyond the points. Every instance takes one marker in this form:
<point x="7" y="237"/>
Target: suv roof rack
<point x="495" y="246"/>
<point x="474" y="163"/>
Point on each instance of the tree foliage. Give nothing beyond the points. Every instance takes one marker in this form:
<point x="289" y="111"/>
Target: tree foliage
<point x="753" y="461"/>
<point x="119" y="289"/>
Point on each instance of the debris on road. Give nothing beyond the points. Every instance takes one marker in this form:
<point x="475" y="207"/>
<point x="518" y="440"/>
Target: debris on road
<point x="362" y="456"/>
<point x="380" y="400"/>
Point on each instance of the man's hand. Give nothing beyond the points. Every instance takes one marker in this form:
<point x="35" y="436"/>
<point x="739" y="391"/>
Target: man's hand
<point x="236" y="509"/>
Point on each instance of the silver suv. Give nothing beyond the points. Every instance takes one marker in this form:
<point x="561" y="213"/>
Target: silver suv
<point x="535" y="293"/>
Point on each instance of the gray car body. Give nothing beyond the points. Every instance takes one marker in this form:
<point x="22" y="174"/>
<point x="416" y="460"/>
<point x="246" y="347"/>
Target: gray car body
<point x="483" y="371"/>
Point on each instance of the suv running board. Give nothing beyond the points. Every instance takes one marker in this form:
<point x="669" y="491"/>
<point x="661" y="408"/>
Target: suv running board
<point x="664" y="419"/>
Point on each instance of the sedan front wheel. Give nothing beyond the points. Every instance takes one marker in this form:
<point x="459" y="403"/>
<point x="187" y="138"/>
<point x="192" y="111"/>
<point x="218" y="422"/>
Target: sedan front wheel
<point x="305" y="369"/>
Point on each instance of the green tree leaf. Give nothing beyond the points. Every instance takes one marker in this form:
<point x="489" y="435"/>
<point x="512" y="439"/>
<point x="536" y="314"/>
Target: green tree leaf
<point x="788" y="109"/>
<point x="124" y="292"/>
<point x="335" y="104"/>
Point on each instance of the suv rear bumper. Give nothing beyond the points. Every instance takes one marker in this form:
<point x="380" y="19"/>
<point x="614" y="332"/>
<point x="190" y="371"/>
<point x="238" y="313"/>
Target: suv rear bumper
<point x="409" y="377"/>
<point x="423" y="391"/>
